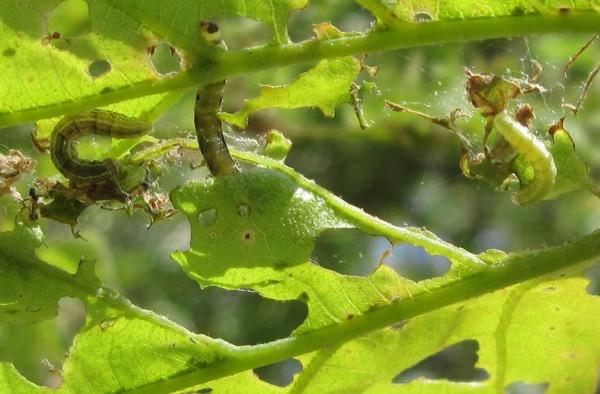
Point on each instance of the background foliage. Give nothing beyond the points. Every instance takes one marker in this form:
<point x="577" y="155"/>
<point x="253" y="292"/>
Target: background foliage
<point x="402" y="168"/>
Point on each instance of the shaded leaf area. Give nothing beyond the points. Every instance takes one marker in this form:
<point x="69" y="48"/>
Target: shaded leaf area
<point x="120" y="347"/>
<point x="177" y="21"/>
<point x="435" y="10"/>
<point x="537" y="332"/>
<point x="324" y="86"/>
<point x="256" y="230"/>
<point x="43" y="68"/>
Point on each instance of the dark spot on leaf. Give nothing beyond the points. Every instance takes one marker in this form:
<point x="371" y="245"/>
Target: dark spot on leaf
<point x="192" y="340"/>
<point x="106" y="90"/>
<point x="551" y="328"/>
<point x="11" y="311"/>
<point x="98" y="68"/>
<point x="107" y="323"/>
<point x="550" y="289"/>
<point x="9" y="52"/>
<point x="205" y="390"/>
<point x="350" y="317"/>
<point x="213" y="235"/>
<point x="460" y="308"/>
<point x="279" y="374"/>
<point x="455" y="363"/>
<point x="248" y="236"/>
<point x="564" y="10"/>
<point x="529" y="388"/>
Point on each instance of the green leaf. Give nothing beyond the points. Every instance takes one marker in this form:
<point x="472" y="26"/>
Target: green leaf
<point x="177" y="21"/>
<point x="256" y="230"/>
<point x="31" y="288"/>
<point x="535" y="332"/>
<point x="62" y="66"/>
<point x="434" y="10"/>
<point x="325" y="86"/>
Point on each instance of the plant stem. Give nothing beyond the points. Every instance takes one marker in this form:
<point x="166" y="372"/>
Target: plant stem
<point x="405" y="35"/>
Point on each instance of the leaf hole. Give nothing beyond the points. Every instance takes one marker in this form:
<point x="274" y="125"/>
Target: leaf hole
<point x="207" y="217"/>
<point x="415" y="263"/>
<point x="236" y="316"/>
<point x="46" y="343"/>
<point x="279" y="374"/>
<point x="99" y="68"/>
<point x="526" y="388"/>
<point x="593" y="274"/>
<point x="455" y="363"/>
<point x="244" y="210"/>
<point x="422" y="17"/>
<point x="248" y="237"/>
<point x="164" y="59"/>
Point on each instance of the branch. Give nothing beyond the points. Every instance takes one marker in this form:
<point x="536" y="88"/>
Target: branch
<point x="248" y="60"/>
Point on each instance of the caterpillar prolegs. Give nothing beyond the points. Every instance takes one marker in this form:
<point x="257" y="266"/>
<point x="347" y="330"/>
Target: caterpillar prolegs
<point x="533" y="151"/>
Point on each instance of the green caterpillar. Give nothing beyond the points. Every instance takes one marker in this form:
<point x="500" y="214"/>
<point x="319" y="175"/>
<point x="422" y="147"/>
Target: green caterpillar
<point x="209" y="99"/>
<point x="533" y="151"/>
<point x="63" y="148"/>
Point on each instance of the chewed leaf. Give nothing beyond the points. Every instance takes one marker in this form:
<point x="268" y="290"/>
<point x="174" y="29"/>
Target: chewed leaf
<point x="325" y="86"/>
<point x="256" y="230"/>
<point x="65" y="70"/>
<point x="177" y="20"/>
<point x="30" y="287"/>
<point x="521" y="335"/>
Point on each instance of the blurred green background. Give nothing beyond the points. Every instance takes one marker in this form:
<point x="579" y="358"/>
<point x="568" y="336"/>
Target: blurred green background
<point x="402" y="169"/>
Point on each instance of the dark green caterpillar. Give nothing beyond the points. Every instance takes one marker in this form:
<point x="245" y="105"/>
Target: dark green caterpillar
<point x="209" y="99"/>
<point x="63" y="148"/>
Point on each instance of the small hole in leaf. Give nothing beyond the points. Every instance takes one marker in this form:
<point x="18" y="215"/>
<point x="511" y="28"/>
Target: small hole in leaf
<point x="98" y="68"/>
<point x="248" y="237"/>
<point x="455" y="363"/>
<point x="164" y="59"/>
<point x="281" y="373"/>
<point x="422" y="16"/>
<point x="244" y="210"/>
<point x="415" y="264"/>
<point x="593" y="275"/>
<point x="9" y="52"/>
<point x="526" y="388"/>
<point x="207" y="217"/>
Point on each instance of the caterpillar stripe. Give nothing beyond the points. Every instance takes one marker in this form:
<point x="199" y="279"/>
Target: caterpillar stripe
<point x="209" y="99"/>
<point x="63" y="145"/>
<point x="534" y="151"/>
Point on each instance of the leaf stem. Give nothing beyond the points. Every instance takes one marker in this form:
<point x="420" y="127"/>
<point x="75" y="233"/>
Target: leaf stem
<point x="247" y="60"/>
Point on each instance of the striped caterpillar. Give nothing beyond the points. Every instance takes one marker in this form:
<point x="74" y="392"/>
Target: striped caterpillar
<point x="209" y="99"/>
<point x="533" y="151"/>
<point x="108" y="172"/>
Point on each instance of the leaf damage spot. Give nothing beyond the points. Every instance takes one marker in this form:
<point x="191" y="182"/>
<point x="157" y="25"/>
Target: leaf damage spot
<point x="99" y="68"/>
<point x="455" y="363"/>
<point x="279" y="374"/>
<point x="244" y="210"/>
<point x="164" y="58"/>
